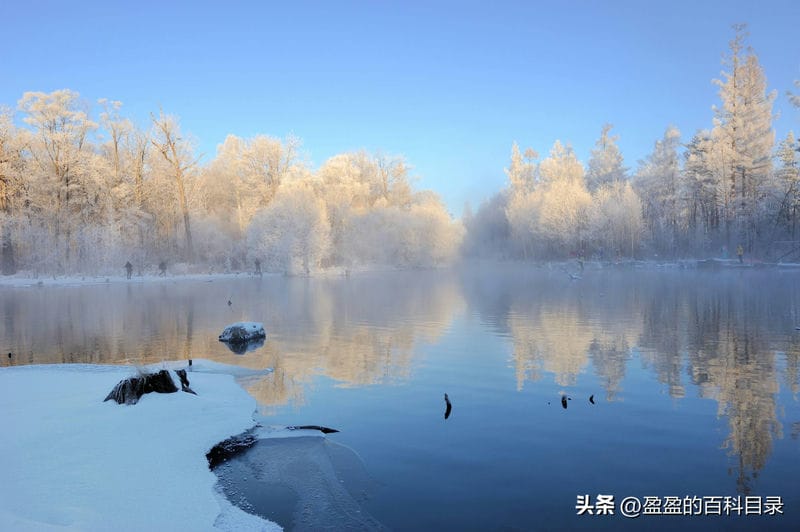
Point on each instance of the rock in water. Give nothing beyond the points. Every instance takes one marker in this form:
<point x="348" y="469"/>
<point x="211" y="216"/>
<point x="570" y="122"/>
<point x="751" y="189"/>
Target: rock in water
<point x="564" y="401"/>
<point x="242" y="331"/>
<point x="130" y="390"/>
<point x="448" y="406"/>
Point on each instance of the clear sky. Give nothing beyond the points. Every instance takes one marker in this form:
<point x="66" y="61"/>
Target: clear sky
<point x="449" y="85"/>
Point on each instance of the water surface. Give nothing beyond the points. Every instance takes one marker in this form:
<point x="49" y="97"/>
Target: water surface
<point x="694" y="376"/>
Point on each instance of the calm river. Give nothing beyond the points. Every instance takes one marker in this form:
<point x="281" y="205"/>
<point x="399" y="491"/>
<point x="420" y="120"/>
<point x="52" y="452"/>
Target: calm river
<point x="695" y="378"/>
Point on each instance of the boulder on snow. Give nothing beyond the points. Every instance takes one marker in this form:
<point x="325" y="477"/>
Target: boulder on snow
<point x="130" y="390"/>
<point x="243" y="331"/>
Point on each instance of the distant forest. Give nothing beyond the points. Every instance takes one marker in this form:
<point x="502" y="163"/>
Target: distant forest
<point x="79" y="195"/>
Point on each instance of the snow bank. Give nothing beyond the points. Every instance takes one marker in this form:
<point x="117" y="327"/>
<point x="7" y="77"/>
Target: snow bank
<point x="69" y="461"/>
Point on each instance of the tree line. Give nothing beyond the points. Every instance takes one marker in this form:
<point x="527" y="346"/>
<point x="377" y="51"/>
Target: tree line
<point x="728" y="186"/>
<point x="79" y="195"/>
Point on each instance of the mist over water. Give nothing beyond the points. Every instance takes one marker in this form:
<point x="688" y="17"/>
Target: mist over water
<point x="695" y="378"/>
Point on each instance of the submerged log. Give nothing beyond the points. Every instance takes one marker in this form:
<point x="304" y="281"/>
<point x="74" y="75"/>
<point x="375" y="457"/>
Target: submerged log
<point x="130" y="390"/>
<point x="324" y="430"/>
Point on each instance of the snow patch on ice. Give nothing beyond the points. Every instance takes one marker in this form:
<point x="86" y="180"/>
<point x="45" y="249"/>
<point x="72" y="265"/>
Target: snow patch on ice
<point x="71" y="461"/>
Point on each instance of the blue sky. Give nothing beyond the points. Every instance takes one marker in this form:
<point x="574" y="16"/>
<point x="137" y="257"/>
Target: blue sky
<point x="449" y="85"/>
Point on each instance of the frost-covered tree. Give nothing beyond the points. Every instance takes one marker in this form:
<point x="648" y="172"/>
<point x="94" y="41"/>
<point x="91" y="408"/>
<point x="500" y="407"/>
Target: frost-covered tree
<point x="522" y="214"/>
<point x="291" y="234"/>
<point x="795" y="98"/>
<point x="787" y="178"/>
<point x="178" y="154"/>
<point x="701" y="191"/>
<point x="743" y="140"/>
<point x="552" y="219"/>
<point x="63" y="190"/>
<point x="605" y="163"/>
<point x="11" y="188"/>
<point x="422" y="235"/>
<point x="246" y="175"/>
<point x="615" y="219"/>
<point x="354" y="184"/>
<point x="521" y="171"/>
<point x="658" y="182"/>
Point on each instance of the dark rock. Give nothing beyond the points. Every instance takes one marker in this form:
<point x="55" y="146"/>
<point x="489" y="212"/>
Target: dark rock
<point x="448" y="408"/>
<point x="564" y="401"/>
<point x="242" y="332"/>
<point x="229" y="448"/>
<point x="591" y="398"/>
<point x="130" y="390"/>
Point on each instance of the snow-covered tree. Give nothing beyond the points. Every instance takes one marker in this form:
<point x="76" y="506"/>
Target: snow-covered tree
<point x="551" y="220"/>
<point x="291" y="234"/>
<point x="787" y="178"/>
<point x="615" y="220"/>
<point x="605" y="163"/>
<point x="11" y="188"/>
<point x="743" y="140"/>
<point x="62" y="192"/>
<point x="178" y="153"/>
<point x="658" y="183"/>
<point x="521" y="171"/>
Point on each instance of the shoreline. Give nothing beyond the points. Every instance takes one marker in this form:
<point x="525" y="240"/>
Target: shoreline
<point x="25" y="280"/>
<point x="81" y="463"/>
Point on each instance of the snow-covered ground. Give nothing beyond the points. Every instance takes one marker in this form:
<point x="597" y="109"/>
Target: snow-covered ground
<point x="69" y="461"/>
